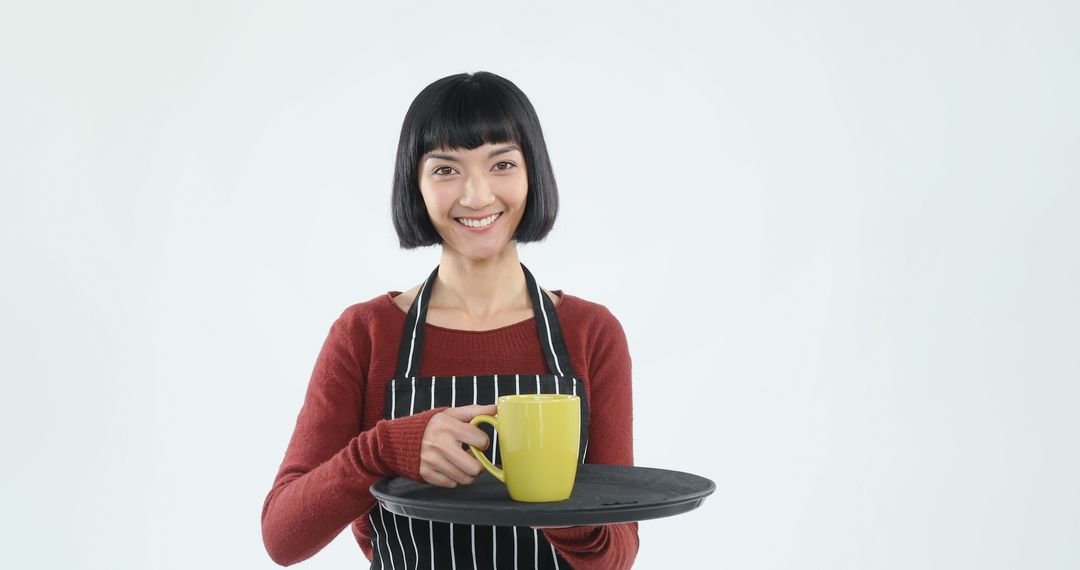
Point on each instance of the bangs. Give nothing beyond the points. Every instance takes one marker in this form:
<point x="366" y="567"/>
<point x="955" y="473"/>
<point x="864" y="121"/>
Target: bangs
<point x="465" y="118"/>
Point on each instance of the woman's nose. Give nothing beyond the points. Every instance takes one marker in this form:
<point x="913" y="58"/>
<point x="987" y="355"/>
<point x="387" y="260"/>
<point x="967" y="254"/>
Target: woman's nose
<point x="477" y="194"/>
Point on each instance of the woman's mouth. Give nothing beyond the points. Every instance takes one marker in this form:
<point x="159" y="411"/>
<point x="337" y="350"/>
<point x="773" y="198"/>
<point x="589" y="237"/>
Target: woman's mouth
<point x="479" y="225"/>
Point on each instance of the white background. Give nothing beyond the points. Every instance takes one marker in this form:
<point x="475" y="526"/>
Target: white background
<point x="841" y="234"/>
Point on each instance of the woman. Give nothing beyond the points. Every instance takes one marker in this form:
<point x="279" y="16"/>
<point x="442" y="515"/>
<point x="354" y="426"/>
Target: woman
<point x="400" y="376"/>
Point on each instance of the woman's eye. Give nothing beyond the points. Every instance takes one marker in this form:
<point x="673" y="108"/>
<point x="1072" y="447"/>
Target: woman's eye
<point x="439" y="171"/>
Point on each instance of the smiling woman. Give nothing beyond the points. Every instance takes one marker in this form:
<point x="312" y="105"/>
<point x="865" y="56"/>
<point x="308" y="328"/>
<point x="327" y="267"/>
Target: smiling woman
<point x="401" y="376"/>
<point x="469" y="134"/>
<point x="476" y="198"/>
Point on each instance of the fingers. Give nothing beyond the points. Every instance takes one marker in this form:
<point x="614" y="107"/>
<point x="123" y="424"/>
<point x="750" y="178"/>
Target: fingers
<point x="442" y="474"/>
<point x="460" y="429"/>
<point x="472" y="435"/>
<point x="464" y="462"/>
<point x="448" y="468"/>
<point x="432" y="477"/>
<point x="443" y="461"/>
<point x="467" y="413"/>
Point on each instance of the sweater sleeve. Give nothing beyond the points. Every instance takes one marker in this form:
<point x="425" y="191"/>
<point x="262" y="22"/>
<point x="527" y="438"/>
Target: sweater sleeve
<point x="611" y="442"/>
<point x="323" y="482"/>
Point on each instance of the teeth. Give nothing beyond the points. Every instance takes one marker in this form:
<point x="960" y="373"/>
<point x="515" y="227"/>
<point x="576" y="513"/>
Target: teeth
<point x="478" y="223"/>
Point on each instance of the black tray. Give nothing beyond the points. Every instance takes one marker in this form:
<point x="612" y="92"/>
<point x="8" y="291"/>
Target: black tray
<point x="603" y="494"/>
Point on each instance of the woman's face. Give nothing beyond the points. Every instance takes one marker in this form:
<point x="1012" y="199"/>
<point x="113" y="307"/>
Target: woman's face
<point x="462" y="189"/>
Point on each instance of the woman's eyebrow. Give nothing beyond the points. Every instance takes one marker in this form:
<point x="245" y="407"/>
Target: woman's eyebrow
<point x="452" y="158"/>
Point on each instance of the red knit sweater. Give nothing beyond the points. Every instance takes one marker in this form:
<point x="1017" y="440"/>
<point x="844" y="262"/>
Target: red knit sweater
<point x="341" y="444"/>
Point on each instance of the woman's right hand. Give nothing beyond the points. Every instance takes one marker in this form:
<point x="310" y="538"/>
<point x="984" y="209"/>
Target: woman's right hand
<point x="443" y="462"/>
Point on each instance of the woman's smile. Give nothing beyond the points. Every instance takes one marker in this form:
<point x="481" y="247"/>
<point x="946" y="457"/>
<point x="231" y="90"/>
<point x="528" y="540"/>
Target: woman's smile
<point x="479" y="225"/>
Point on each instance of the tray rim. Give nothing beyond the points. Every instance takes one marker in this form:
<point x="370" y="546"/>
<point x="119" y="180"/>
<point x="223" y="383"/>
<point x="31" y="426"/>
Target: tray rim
<point x="536" y="515"/>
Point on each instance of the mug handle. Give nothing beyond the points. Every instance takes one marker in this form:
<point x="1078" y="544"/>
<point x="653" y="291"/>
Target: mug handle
<point x="486" y="419"/>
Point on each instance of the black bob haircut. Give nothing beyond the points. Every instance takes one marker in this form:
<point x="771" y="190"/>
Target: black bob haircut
<point x="464" y="111"/>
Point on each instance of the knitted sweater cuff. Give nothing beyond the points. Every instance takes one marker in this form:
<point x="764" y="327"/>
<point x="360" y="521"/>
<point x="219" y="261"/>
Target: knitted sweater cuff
<point x="581" y="538"/>
<point x="397" y="443"/>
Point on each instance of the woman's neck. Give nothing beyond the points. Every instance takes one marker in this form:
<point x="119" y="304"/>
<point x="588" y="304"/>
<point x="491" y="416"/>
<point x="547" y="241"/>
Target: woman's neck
<point x="480" y="289"/>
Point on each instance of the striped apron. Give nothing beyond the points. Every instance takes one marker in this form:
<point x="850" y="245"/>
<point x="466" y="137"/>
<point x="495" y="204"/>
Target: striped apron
<point x="409" y="543"/>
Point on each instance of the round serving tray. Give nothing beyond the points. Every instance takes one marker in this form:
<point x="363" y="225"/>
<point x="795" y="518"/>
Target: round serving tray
<point x="603" y="494"/>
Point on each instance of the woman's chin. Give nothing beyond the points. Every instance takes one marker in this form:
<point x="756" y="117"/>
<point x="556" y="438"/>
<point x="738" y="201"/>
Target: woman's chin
<point x="480" y="253"/>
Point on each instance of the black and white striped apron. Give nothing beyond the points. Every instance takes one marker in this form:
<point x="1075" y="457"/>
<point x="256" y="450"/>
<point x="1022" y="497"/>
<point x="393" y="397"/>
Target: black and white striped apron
<point x="408" y="543"/>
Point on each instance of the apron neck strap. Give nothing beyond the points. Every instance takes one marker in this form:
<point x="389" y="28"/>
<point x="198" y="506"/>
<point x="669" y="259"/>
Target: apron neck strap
<point x="548" y="330"/>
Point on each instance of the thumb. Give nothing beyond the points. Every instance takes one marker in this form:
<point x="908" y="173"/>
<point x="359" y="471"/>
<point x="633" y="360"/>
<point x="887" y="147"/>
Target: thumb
<point x="467" y="413"/>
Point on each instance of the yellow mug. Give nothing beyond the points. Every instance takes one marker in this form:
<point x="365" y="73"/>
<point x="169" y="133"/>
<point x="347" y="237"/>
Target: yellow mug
<point x="538" y="436"/>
